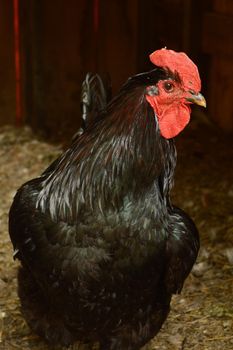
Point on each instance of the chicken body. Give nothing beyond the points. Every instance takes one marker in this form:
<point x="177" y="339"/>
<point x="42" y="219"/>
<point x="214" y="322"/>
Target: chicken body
<point x="101" y="246"/>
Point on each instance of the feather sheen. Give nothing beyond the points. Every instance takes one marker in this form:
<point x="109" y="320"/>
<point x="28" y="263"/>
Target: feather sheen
<point x="108" y="163"/>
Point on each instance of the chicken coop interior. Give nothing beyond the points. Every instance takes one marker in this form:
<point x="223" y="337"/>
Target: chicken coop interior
<point x="46" y="49"/>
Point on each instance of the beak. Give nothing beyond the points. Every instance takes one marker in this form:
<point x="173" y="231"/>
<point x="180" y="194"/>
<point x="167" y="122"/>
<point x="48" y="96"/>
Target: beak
<point x="198" y="99"/>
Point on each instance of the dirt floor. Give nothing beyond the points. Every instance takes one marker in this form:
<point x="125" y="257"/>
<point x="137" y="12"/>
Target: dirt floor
<point x="201" y="317"/>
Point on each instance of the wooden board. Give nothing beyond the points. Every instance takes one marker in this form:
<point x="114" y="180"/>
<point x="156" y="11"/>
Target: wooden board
<point x="218" y="43"/>
<point x="218" y="34"/>
<point x="7" y="66"/>
<point x="223" y="6"/>
<point x="220" y="93"/>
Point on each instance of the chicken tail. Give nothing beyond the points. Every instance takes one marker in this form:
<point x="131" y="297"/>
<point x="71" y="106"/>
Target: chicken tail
<point x="95" y="94"/>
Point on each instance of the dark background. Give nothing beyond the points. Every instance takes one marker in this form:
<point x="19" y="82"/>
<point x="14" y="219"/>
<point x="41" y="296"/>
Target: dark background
<point x="61" y="40"/>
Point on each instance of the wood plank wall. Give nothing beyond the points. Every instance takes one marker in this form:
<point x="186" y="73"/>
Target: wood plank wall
<point x="218" y="43"/>
<point x="7" y="67"/>
<point x="60" y="46"/>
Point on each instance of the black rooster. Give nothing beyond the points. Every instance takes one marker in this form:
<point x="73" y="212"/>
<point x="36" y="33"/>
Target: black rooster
<point x="102" y="248"/>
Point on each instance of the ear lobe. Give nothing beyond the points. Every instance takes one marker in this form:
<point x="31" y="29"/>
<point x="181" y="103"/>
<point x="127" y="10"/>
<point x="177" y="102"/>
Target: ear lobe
<point x="152" y="90"/>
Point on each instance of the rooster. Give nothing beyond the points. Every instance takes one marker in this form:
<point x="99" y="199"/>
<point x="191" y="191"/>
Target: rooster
<point x="102" y="248"/>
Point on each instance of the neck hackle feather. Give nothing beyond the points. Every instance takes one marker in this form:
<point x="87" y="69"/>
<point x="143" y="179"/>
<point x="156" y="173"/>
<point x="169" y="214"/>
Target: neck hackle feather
<point x="115" y="157"/>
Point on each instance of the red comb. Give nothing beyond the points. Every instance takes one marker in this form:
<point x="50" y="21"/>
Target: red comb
<point x="178" y="62"/>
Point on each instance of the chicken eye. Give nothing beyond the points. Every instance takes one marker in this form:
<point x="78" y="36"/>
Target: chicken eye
<point x="168" y="86"/>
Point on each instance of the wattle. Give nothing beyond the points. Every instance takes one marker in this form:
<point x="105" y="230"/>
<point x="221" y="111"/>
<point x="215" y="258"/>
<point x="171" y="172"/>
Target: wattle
<point x="173" y="120"/>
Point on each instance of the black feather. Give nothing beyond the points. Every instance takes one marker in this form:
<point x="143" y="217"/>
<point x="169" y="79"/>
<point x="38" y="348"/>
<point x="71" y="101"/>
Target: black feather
<point x="95" y="94"/>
